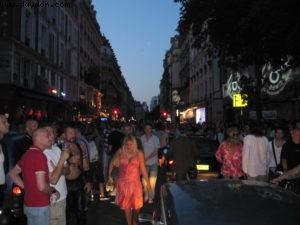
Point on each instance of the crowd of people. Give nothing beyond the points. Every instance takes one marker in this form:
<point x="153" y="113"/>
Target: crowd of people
<point x="258" y="156"/>
<point x="60" y="164"/>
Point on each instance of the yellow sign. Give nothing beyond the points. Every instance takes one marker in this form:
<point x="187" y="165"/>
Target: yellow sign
<point x="239" y="100"/>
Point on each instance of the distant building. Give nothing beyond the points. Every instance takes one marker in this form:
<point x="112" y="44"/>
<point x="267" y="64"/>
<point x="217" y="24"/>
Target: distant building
<point x="154" y="103"/>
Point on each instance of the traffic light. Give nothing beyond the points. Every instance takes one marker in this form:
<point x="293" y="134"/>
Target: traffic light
<point x="115" y="112"/>
<point x="165" y="114"/>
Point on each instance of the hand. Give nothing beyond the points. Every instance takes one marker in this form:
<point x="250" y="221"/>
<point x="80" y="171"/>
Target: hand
<point x="88" y="187"/>
<point x="277" y="180"/>
<point x="65" y="155"/>
<point x="54" y="196"/>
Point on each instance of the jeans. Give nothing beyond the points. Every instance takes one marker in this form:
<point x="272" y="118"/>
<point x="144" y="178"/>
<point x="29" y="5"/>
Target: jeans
<point x="2" y="189"/>
<point x="105" y="163"/>
<point x="58" y="213"/>
<point x="37" y="215"/>
<point x="152" y="174"/>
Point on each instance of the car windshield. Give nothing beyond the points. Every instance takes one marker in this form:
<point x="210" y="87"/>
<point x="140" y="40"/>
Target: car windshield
<point x="205" y="147"/>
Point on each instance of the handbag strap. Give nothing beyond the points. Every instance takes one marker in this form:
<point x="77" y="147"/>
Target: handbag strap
<point x="273" y="148"/>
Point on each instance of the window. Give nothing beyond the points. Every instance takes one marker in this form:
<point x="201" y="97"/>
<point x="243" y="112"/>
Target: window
<point x="51" y="47"/>
<point x="28" y="28"/>
<point x="43" y="41"/>
<point x="53" y="79"/>
<point x="62" y="55"/>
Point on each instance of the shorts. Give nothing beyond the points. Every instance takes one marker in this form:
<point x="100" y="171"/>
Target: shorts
<point x="96" y="169"/>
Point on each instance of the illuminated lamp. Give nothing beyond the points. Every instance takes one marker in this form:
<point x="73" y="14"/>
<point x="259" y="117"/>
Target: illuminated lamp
<point x="63" y="94"/>
<point x="16" y="190"/>
<point x="54" y="91"/>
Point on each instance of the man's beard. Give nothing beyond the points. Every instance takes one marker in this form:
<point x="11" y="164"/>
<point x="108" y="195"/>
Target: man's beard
<point x="72" y="140"/>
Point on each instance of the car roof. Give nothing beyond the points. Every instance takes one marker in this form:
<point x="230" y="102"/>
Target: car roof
<point x="227" y="202"/>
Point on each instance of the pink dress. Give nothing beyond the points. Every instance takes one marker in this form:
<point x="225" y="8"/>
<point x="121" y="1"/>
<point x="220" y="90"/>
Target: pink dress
<point x="129" y="186"/>
<point x="231" y="159"/>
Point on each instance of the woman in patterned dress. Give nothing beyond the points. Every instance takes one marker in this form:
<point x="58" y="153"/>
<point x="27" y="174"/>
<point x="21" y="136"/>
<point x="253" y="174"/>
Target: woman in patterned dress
<point x="229" y="154"/>
<point x="131" y="164"/>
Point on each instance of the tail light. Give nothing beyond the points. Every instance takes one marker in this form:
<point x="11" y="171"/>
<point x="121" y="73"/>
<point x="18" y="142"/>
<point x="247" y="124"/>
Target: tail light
<point x="171" y="162"/>
<point x="17" y="190"/>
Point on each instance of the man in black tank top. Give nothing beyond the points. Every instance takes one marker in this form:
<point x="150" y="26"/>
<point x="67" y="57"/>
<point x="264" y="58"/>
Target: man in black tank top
<point x="79" y="180"/>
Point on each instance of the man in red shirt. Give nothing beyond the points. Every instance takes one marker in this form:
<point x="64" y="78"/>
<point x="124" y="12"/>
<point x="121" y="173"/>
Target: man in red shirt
<point x="34" y="168"/>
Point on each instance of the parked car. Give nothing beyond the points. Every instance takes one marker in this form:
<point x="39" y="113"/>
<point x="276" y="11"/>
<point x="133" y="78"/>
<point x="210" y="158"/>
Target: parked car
<point x="12" y="213"/>
<point x="227" y="202"/>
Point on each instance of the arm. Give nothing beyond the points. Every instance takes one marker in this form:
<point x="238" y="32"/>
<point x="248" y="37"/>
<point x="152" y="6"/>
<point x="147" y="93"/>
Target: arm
<point x="58" y="169"/>
<point x="284" y="164"/>
<point x="14" y="174"/>
<point x="42" y="185"/>
<point x="291" y="174"/>
<point x="113" y="162"/>
<point x="246" y="155"/>
<point x="143" y="169"/>
<point x="219" y="154"/>
<point x="283" y="156"/>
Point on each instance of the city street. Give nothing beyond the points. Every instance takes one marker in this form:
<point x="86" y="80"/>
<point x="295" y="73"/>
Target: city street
<point x="107" y="213"/>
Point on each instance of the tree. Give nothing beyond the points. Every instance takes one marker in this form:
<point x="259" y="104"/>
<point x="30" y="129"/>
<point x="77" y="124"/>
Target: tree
<point x="246" y="32"/>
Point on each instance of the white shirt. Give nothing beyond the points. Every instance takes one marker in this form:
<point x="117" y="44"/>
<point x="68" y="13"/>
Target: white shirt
<point x="272" y="162"/>
<point x="53" y="155"/>
<point x="255" y="155"/>
<point x="2" y="173"/>
<point x="149" y="146"/>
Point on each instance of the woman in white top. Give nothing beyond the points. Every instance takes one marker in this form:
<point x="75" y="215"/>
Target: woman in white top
<point x="255" y="154"/>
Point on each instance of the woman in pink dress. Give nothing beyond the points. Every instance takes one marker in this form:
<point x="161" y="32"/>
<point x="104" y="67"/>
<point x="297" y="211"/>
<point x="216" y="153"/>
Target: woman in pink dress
<point x="131" y="164"/>
<point x="229" y="154"/>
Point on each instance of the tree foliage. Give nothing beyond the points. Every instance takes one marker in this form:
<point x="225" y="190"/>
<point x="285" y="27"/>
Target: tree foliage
<point x="245" y="32"/>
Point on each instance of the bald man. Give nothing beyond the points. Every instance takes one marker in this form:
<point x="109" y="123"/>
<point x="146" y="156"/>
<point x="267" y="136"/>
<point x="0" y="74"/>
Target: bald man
<point x="34" y="168"/>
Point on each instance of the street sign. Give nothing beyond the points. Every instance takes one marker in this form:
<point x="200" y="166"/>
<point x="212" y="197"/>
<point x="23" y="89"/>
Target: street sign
<point x="239" y="100"/>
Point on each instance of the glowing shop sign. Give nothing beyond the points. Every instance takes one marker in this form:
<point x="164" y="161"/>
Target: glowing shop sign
<point x="239" y="100"/>
<point x="233" y="84"/>
<point x="276" y="80"/>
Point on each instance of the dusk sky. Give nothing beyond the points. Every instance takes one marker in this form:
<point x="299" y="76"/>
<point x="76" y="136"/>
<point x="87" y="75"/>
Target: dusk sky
<point x="139" y="32"/>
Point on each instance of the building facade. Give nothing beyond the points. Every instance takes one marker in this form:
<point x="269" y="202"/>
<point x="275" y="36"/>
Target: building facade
<point x="51" y="60"/>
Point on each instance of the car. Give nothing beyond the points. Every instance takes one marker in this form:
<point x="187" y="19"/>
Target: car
<point x="206" y="165"/>
<point x="12" y="213"/>
<point x="227" y="202"/>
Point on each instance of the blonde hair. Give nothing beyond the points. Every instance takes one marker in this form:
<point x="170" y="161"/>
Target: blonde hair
<point x="130" y="138"/>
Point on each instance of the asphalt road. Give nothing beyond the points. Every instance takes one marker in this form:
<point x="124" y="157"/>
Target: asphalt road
<point x="107" y="213"/>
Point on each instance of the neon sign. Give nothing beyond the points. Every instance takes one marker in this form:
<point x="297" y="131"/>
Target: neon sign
<point x="276" y="80"/>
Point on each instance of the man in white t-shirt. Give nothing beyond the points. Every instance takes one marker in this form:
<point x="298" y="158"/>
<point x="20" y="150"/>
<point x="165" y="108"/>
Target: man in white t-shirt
<point x="57" y="168"/>
<point x="150" y="144"/>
